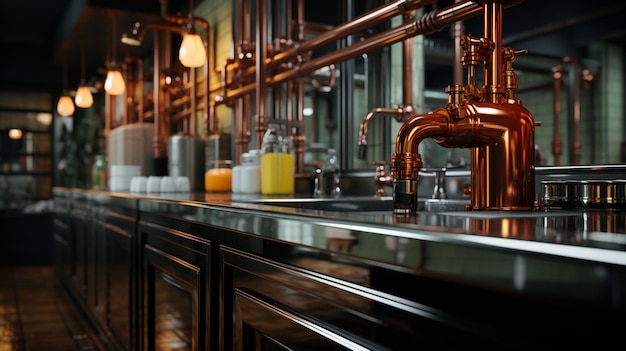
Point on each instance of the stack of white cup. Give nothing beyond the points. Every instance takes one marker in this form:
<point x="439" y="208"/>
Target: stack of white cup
<point x="121" y="177"/>
<point x="158" y="185"/>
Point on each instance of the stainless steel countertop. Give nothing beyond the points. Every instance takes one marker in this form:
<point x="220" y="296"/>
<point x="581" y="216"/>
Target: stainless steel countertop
<point x="597" y="236"/>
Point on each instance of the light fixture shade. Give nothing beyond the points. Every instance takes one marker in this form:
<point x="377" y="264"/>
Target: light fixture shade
<point x="192" y="53"/>
<point x="15" y="134"/>
<point x="83" y="98"/>
<point x="114" y="83"/>
<point x="65" y="106"/>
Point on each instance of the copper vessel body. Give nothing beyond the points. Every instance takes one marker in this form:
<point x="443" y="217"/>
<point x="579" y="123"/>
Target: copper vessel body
<point x="488" y="120"/>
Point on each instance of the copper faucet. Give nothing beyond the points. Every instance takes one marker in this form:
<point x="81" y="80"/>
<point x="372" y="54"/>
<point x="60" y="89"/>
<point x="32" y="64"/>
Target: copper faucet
<point x="381" y="178"/>
<point x="489" y="120"/>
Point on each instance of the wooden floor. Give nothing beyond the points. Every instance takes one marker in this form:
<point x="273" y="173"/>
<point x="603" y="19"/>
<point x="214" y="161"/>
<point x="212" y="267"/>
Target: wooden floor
<point x="36" y="314"/>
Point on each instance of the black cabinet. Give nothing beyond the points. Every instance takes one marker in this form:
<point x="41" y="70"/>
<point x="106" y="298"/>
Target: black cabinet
<point x="116" y="283"/>
<point x="175" y="298"/>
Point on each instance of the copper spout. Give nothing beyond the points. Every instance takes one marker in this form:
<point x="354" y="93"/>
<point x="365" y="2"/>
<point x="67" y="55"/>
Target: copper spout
<point x="399" y="114"/>
<point x="489" y="120"/>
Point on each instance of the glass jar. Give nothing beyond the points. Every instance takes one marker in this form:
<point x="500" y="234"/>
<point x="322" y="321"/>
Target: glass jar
<point x="219" y="178"/>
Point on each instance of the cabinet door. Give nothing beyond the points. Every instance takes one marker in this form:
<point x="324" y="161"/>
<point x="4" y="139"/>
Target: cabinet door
<point x="175" y="290"/>
<point x="262" y="324"/>
<point x="272" y="306"/>
<point x="61" y="236"/>
<point x="118" y="292"/>
<point x="78" y="247"/>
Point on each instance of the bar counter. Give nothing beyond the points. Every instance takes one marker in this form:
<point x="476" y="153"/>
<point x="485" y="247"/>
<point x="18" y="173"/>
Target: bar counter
<point x="505" y="278"/>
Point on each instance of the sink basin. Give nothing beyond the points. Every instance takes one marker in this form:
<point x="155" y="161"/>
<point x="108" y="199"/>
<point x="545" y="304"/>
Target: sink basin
<point x="359" y="204"/>
<point x="342" y="204"/>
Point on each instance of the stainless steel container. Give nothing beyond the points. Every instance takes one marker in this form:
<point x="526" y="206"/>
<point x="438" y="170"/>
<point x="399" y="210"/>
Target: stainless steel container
<point x="186" y="158"/>
<point x="562" y="193"/>
<point x="605" y="194"/>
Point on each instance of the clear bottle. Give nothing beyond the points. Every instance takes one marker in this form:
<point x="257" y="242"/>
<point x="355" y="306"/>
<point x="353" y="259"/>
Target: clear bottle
<point x="99" y="173"/>
<point x="331" y="174"/>
<point x="277" y="162"/>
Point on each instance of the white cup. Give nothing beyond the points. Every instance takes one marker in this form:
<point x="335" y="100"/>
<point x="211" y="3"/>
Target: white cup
<point x="167" y="185"/>
<point x="153" y="185"/>
<point x="182" y="184"/>
<point x="139" y="185"/>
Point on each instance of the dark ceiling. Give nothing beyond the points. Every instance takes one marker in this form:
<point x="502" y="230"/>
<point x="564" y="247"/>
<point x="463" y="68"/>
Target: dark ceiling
<point x="38" y="36"/>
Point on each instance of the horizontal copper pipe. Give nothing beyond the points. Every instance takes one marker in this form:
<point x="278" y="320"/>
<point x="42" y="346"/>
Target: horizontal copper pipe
<point x="427" y="24"/>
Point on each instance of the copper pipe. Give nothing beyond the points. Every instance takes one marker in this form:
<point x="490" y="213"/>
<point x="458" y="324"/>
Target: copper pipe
<point x="557" y="143"/>
<point x="427" y="24"/>
<point x="261" y="71"/>
<point x="399" y="114"/>
<point x="299" y="138"/>
<point x="492" y="20"/>
<point x="158" y="145"/>
<point x="407" y="108"/>
<point x="576" y="149"/>
<point x="457" y="32"/>
<point x="356" y="25"/>
<point x="407" y="69"/>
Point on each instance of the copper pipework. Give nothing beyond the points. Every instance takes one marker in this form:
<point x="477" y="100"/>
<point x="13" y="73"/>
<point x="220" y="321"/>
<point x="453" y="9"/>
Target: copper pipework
<point x="488" y="120"/>
<point x="381" y="178"/>
<point x="429" y="23"/>
<point x="557" y="143"/>
<point x="210" y="122"/>
<point x="399" y="114"/>
<point x="402" y="112"/>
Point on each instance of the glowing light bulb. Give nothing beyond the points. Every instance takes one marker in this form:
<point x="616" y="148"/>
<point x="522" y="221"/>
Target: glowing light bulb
<point x="65" y="106"/>
<point x="114" y="83"/>
<point x="192" y="52"/>
<point x="15" y="134"/>
<point x="83" y="98"/>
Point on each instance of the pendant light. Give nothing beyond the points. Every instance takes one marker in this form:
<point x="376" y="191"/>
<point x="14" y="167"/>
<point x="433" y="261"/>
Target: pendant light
<point x="192" y="52"/>
<point x="65" y="106"/>
<point x="83" y="98"/>
<point x="114" y="82"/>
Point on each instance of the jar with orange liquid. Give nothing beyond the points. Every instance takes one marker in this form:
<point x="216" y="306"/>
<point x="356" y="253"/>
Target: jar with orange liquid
<point x="277" y="162"/>
<point x="219" y="178"/>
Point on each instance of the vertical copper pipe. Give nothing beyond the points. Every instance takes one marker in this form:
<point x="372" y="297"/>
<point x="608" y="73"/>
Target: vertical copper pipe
<point x="129" y="90"/>
<point x="576" y="148"/>
<point x="261" y="71"/>
<point x="457" y="68"/>
<point x="191" y="125"/>
<point x="557" y="144"/>
<point x="299" y="137"/>
<point x="407" y="72"/>
<point x="159" y="152"/>
<point x="140" y="91"/>
<point x="493" y="68"/>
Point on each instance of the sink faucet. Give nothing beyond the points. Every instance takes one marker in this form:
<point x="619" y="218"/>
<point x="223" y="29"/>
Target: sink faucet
<point x="488" y="120"/>
<point x="381" y="178"/>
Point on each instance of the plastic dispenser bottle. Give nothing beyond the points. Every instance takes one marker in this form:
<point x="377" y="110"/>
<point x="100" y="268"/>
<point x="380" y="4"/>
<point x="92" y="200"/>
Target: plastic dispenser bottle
<point x="250" y="176"/>
<point x="331" y="174"/>
<point x="277" y="162"/>
<point x="236" y="176"/>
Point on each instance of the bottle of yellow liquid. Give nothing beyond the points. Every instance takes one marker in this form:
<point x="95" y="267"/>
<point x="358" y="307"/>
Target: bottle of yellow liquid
<point x="277" y="162"/>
